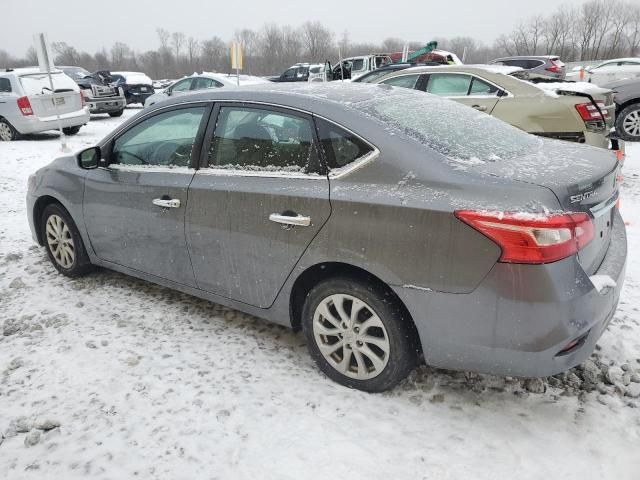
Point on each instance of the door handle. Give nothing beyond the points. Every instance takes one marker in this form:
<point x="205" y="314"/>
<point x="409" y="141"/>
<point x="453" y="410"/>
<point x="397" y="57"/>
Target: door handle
<point x="481" y="108"/>
<point x="166" y="202"/>
<point x="295" y="221"/>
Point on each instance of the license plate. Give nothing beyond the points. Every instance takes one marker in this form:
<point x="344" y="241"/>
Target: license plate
<point x="58" y="101"/>
<point x="143" y="89"/>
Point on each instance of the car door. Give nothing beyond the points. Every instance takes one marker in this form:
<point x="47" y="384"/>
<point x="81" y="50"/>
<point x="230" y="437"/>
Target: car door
<point x="257" y="204"/>
<point x="134" y="208"/>
<point x="466" y="89"/>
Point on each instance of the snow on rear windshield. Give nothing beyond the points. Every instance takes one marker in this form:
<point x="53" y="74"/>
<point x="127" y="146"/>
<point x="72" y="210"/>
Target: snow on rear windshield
<point x="462" y="134"/>
<point x="38" y="83"/>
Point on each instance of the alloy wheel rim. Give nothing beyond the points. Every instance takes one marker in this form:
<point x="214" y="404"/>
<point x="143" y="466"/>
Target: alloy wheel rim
<point x="60" y="241"/>
<point x="351" y="337"/>
<point x="5" y="132"/>
<point x="631" y="123"/>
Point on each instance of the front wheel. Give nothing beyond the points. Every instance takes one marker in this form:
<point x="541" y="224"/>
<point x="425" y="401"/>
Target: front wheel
<point x="68" y="131"/>
<point x="628" y="123"/>
<point x="358" y="334"/>
<point x="116" y="114"/>
<point x="63" y="242"/>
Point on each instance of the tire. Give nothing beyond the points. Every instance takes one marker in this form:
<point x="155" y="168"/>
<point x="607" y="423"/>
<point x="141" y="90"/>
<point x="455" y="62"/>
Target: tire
<point x="628" y="123"/>
<point x="116" y="114"/>
<point x="7" y="132"/>
<point x="58" y="228"/>
<point x="68" y="131"/>
<point x="395" y="348"/>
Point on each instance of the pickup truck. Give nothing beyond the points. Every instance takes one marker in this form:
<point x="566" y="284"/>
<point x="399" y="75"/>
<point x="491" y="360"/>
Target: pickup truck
<point x="100" y="95"/>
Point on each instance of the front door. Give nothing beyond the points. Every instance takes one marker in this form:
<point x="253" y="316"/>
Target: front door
<point x="258" y="204"/>
<point x="134" y="209"/>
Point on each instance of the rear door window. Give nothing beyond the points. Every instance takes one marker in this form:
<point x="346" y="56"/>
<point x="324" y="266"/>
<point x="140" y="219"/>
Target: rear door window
<point x="339" y="147"/>
<point x="449" y="84"/>
<point x="263" y="140"/>
<point x="480" y="88"/>
<point x="406" y="81"/>
<point x="358" y="64"/>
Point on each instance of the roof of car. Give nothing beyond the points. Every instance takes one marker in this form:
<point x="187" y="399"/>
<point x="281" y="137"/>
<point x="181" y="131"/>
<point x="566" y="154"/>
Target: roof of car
<point x="30" y="70"/>
<point x="627" y="59"/>
<point x="492" y="69"/>
<point x="524" y="57"/>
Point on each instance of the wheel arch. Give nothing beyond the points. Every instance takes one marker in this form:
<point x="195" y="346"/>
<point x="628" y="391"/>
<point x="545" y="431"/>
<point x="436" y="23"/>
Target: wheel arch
<point x="626" y="104"/>
<point x="38" y="208"/>
<point x="319" y="272"/>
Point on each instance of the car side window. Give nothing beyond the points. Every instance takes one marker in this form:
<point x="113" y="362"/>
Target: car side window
<point x="448" y="84"/>
<point x="182" y="85"/>
<point x="481" y="88"/>
<point x="291" y="73"/>
<point x="406" y="81"/>
<point x="264" y="140"/>
<point x="358" y="64"/>
<point x="166" y="139"/>
<point x="5" y="85"/>
<point x="339" y="147"/>
<point x="201" y="83"/>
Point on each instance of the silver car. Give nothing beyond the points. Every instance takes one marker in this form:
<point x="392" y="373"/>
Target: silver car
<point x="389" y="225"/>
<point x="27" y="103"/>
<point x="545" y="65"/>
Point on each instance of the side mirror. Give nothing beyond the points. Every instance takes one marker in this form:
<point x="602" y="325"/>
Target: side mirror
<point x="89" y="158"/>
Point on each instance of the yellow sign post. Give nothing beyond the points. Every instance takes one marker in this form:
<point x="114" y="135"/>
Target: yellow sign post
<point x="236" y="58"/>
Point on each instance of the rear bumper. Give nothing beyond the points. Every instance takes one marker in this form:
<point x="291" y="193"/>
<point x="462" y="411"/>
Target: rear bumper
<point x="33" y="124"/>
<point x="136" y="97"/>
<point x="520" y="317"/>
<point x="106" y="104"/>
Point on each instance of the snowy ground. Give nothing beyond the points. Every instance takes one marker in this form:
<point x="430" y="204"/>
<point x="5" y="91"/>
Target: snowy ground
<point x="149" y="383"/>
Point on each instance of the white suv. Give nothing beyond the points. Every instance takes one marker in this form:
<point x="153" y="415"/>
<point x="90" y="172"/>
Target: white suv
<point x="27" y="103"/>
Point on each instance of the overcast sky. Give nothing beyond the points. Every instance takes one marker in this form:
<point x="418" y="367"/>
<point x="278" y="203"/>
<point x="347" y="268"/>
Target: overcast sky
<point x="91" y="25"/>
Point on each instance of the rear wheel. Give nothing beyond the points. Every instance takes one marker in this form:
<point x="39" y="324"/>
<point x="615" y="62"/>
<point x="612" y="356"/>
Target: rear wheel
<point x="116" y="114"/>
<point x="7" y="132"/>
<point x="63" y="242"/>
<point x="628" y="123"/>
<point x="70" y="130"/>
<point x="358" y="334"/>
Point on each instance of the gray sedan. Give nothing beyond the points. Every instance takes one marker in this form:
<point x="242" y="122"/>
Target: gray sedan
<point x="389" y="225"/>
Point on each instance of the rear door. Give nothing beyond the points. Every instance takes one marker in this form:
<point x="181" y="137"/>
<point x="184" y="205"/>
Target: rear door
<point x="257" y="204"/>
<point x="37" y="88"/>
<point x="134" y="209"/>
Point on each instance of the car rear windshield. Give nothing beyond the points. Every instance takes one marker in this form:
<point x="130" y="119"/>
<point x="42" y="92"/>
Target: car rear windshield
<point x="462" y="134"/>
<point x="77" y="73"/>
<point x="38" y="83"/>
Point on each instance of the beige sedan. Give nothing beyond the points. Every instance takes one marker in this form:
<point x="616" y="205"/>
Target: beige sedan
<point x="570" y="111"/>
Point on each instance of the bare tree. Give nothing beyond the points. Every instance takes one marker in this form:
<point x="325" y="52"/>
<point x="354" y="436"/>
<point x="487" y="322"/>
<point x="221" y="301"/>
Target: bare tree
<point x="177" y="41"/>
<point x="317" y="40"/>
<point x="193" y="48"/>
<point x="163" y="36"/>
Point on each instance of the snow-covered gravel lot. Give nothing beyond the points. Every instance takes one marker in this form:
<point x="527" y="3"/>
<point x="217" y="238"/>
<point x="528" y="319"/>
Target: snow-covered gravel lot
<point x="112" y="377"/>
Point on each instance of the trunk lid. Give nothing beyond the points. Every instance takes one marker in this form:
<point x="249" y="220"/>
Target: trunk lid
<point x="583" y="178"/>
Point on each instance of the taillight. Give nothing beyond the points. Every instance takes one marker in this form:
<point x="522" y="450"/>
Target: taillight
<point x="532" y="238"/>
<point x="603" y="108"/>
<point x="25" y="106"/>
<point x="82" y="100"/>
<point x="553" y="68"/>
<point x="589" y="112"/>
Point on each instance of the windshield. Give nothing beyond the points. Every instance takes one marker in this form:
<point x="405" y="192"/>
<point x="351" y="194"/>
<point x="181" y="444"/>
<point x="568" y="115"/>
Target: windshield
<point x="77" y="73"/>
<point x="38" y="83"/>
<point x="454" y="130"/>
